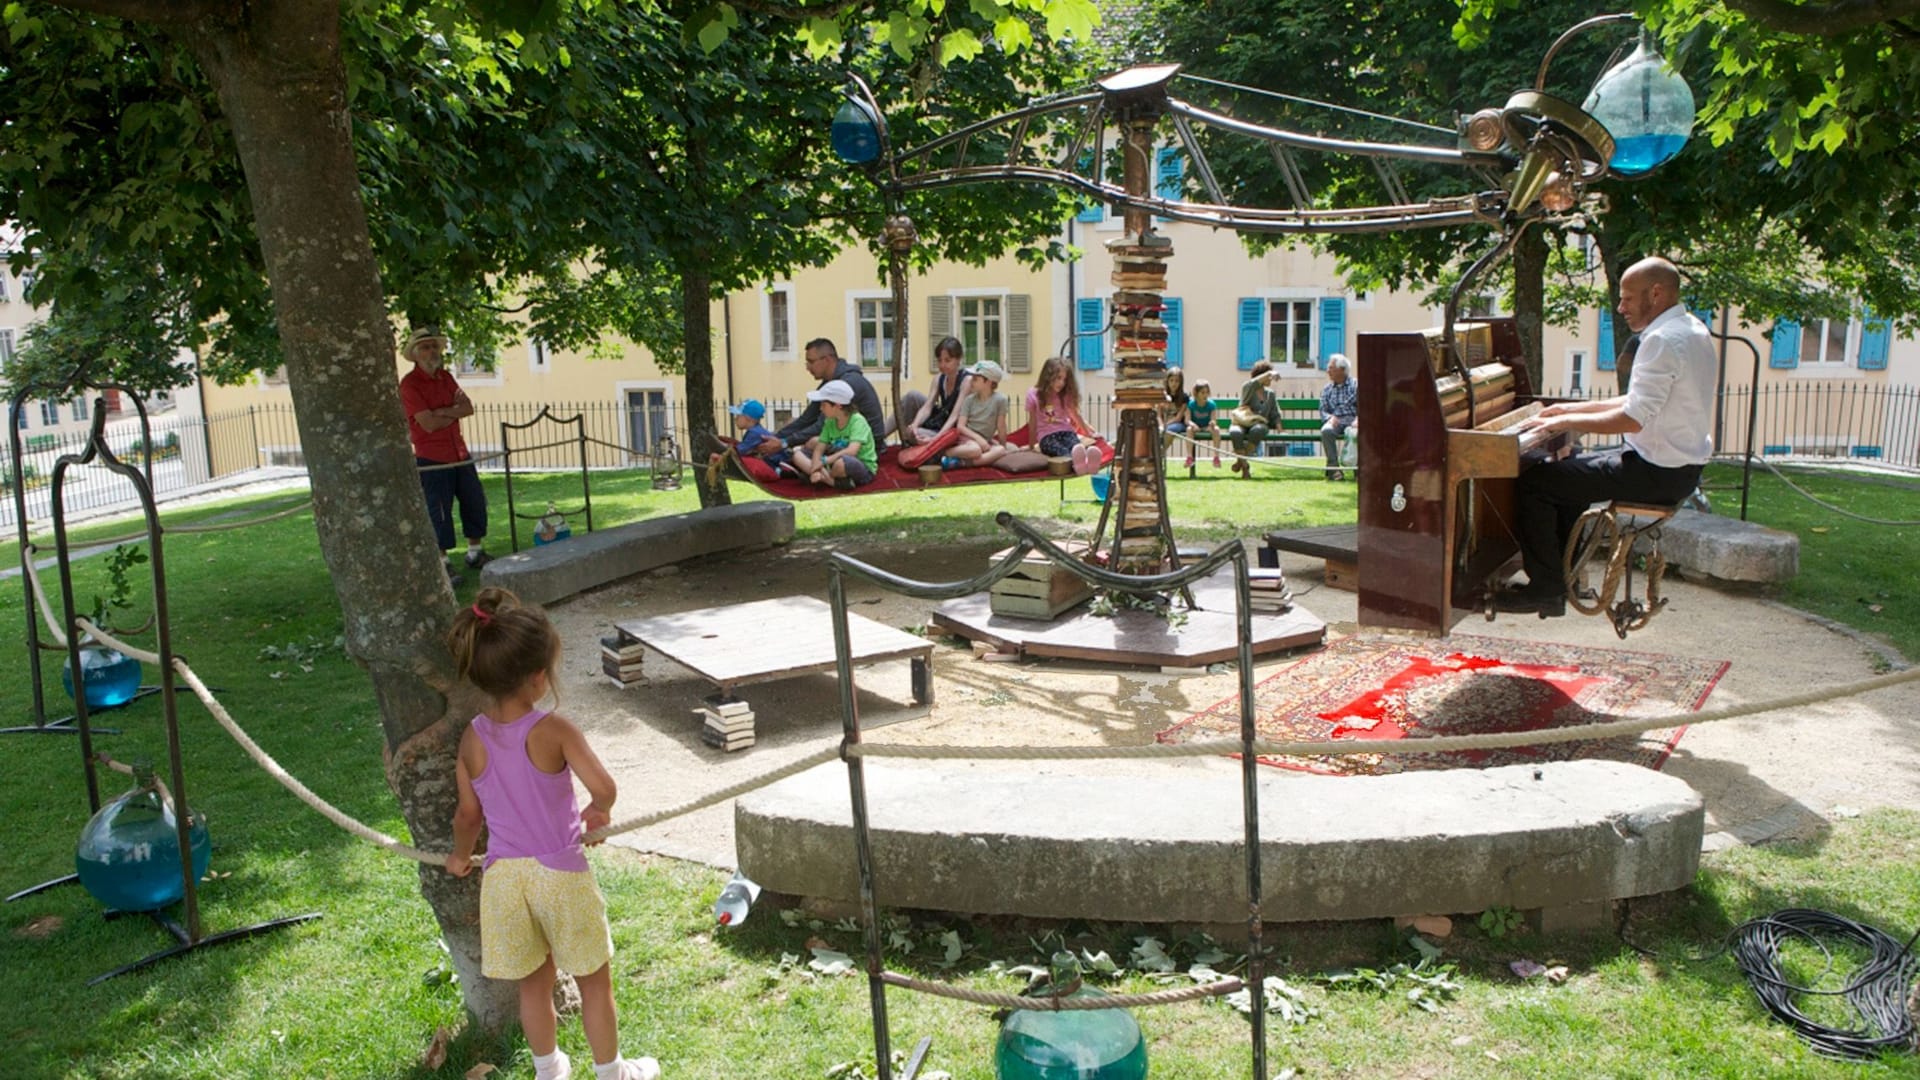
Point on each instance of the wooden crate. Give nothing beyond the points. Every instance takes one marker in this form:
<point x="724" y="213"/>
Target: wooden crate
<point x="1037" y="589"/>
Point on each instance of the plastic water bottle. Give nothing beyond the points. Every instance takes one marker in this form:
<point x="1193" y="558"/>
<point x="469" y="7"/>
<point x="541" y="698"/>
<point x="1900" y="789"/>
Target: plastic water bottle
<point x="735" y="901"/>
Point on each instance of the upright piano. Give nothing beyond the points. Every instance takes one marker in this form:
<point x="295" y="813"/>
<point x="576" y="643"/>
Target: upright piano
<point x="1438" y="459"/>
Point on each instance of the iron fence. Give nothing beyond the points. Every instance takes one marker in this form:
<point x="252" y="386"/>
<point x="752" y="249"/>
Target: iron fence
<point x="1801" y="421"/>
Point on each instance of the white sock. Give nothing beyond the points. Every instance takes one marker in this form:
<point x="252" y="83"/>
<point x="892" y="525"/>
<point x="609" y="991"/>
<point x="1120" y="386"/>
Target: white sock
<point x="609" y="1071"/>
<point x="548" y="1066"/>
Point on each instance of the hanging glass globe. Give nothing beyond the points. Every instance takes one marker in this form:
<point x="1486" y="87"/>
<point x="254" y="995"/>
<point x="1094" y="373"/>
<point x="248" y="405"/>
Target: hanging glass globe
<point x="129" y="852"/>
<point x="112" y="677"/>
<point x="1647" y="108"/>
<point x="1084" y="1044"/>
<point x="856" y="132"/>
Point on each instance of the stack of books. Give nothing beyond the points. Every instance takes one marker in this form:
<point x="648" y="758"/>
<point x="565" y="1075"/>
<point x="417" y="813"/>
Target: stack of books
<point x="728" y="723"/>
<point x="1268" y="592"/>
<point x="1140" y="337"/>
<point x="620" y="659"/>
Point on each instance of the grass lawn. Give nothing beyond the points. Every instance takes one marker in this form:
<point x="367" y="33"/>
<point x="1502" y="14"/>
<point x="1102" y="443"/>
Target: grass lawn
<point x="360" y="992"/>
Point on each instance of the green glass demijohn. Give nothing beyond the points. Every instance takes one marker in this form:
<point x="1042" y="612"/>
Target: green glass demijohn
<point x="1083" y="1044"/>
<point x="129" y="852"/>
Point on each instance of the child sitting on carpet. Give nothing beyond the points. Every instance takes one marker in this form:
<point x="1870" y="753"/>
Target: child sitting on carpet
<point x="751" y="436"/>
<point x="539" y="906"/>
<point x="843" y="454"/>
<point x="1054" y="426"/>
<point x="983" y="419"/>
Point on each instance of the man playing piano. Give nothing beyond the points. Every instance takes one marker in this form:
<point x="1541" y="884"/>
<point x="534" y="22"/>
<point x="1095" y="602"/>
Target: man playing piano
<point x="1665" y="419"/>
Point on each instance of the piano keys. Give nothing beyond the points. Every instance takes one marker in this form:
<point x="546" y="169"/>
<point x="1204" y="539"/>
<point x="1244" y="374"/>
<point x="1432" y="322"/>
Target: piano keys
<point x="1438" y="459"/>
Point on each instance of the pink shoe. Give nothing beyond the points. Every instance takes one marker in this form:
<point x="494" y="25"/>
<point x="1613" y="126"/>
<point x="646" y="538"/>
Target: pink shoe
<point x="1085" y="460"/>
<point x="1216" y="461"/>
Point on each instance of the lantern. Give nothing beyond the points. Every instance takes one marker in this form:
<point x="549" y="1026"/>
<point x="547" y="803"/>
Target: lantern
<point x="666" y="464"/>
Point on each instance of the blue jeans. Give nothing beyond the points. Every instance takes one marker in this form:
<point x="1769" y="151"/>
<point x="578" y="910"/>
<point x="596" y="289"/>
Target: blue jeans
<point x="442" y="487"/>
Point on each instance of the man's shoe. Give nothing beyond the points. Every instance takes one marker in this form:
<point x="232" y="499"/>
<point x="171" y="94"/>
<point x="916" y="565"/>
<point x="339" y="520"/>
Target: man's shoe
<point x="478" y="559"/>
<point x="453" y="576"/>
<point x="1336" y="474"/>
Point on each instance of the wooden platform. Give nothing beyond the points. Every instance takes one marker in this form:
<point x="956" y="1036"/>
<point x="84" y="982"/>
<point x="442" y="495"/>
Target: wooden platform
<point x="742" y="644"/>
<point x="1339" y="545"/>
<point x="1209" y="635"/>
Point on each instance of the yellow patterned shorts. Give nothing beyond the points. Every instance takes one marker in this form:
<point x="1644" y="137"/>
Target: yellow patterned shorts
<point x="529" y="911"/>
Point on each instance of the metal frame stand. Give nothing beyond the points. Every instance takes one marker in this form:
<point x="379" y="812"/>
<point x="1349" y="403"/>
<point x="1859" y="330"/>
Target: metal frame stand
<point x="190" y="936"/>
<point x="507" y="450"/>
<point x="839" y="566"/>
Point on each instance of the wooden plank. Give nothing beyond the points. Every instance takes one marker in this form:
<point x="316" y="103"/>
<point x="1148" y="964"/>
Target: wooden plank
<point x="1343" y="576"/>
<point x="742" y="644"/>
<point x="1341" y="542"/>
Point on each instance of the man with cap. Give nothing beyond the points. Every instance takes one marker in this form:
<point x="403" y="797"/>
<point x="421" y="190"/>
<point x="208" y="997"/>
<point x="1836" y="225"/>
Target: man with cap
<point x="843" y="453"/>
<point x="824" y="363"/>
<point x="435" y="405"/>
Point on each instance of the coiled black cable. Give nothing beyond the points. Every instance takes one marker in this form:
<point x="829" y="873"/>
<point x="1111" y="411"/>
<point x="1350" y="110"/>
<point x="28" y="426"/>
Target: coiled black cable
<point x="1877" y="992"/>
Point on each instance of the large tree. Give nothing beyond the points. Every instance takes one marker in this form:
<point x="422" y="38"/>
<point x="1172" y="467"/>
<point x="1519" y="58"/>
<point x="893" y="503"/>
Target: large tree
<point x="209" y="147"/>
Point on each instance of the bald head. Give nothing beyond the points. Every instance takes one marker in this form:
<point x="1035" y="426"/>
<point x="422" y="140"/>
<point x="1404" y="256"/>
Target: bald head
<point x="1648" y="288"/>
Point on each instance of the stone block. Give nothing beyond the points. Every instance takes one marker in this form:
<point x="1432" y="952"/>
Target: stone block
<point x="1728" y="549"/>
<point x="1000" y="838"/>
<point x="587" y="560"/>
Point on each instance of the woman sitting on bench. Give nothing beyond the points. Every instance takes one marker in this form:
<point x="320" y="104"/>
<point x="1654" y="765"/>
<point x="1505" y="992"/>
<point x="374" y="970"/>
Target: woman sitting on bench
<point x="1257" y="414"/>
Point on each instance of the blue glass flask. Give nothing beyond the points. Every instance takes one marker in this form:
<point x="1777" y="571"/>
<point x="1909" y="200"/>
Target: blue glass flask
<point x="129" y="852"/>
<point x="1645" y="106"/>
<point x="856" y="132"/>
<point x="1085" y="1044"/>
<point x="112" y="677"/>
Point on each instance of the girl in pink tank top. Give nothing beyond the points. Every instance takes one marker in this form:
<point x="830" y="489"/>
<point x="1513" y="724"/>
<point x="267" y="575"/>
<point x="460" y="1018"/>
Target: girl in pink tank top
<point x="540" y="910"/>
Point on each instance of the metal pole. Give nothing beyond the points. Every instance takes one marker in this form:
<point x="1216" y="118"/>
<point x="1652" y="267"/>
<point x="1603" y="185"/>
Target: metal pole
<point x="18" y="468"/>
<point x="862" y="836"/>
<point x="1250" y="798"/>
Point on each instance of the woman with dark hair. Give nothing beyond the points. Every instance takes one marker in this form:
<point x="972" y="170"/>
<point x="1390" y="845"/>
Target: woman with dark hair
<point x="935" y="413"/>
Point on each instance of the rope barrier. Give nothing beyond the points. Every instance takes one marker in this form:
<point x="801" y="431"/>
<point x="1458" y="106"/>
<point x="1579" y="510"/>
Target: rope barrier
<point x="1064" y="1003"/>
<point x="1228" y="451"/>
<point x="1204" y="748"/>
<point x="1809" y="496"/>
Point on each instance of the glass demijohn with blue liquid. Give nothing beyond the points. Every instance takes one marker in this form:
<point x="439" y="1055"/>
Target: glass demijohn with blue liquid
<point x="111" y="676"/>
<point x="1082" y="1044"/>
<point x="1647" y="108"/>
<point x="129" y="852"/>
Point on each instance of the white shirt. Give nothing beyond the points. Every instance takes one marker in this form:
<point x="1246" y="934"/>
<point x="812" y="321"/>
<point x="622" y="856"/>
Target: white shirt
<point x="1672" y="392"/>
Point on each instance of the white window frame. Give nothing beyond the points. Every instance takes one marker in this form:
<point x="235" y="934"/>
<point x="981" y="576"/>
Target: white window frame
<point x="469" y="373"/>
<point x="6" y="289"/>
<point x="999" y="294"/>
<point x="620" y="392"/>
<point x="1577" y="368"/>
<point x="80" y="407"/>
<point x="854" y="298"/>
<point x="49" y="413"/>
<point x="6" y="348"/>
<point x="1849" y="349"/>
<point x="1267" y="296"/>
<point x="794" y="349"/>
<point x="539" y="356"/>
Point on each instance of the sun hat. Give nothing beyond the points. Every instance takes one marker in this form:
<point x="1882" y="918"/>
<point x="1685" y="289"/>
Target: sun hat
<point x="420" y="335"/>
<point x="994" y="372"/>
<point x="750" y="409"/>
<point x="837" y="391"/>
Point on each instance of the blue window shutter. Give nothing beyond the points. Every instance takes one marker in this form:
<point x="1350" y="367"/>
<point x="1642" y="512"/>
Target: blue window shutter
<point x="1253" y="332"/>
<point x="1169" y="172"/>
<point x="1604" y="358"/>
<point x="1875" y="336"/>
<point x="1170" y="315"/>
<point x="1333" y="328"/>
<point x="1094" y="211"/>
<point x="1786" y="344"/>
<point x="1089" y="343"/>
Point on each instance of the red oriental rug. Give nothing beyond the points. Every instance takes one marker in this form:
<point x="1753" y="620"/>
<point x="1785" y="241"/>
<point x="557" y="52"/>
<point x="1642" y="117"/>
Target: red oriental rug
<point x="1406" y="688"/>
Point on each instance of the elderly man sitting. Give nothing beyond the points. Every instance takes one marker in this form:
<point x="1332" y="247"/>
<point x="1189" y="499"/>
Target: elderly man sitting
<point x="1339" y="411"/>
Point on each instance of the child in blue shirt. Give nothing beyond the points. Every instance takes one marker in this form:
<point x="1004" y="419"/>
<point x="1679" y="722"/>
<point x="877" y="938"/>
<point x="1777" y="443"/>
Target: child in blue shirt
<point x="1200" y="419"/>
<point x="750" y="435"/>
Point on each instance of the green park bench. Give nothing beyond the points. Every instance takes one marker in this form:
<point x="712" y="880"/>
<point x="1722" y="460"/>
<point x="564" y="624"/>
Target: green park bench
<point x="1297" y="436"/>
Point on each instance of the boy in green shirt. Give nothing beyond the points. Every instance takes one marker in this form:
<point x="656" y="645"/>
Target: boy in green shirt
<point x="843" y="454"/>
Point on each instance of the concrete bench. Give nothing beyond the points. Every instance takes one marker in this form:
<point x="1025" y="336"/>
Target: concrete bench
<point x="1728" y="549"/>
<point x="584" y="561"/>
<point x="1161" y="841"/>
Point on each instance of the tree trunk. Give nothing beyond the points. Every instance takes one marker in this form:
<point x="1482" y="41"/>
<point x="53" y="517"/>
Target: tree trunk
<point x="1530" y="301"/>
<point x="282" y="86"/>
<point x="696" y="289"/>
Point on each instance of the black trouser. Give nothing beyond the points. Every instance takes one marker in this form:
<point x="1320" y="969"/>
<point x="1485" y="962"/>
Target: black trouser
<point x="442" y="487"/>
<point x="1551" y="496"/>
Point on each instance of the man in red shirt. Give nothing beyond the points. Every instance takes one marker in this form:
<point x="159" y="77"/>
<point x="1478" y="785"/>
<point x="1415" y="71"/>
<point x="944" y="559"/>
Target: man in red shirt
<point x="435" y="405"/>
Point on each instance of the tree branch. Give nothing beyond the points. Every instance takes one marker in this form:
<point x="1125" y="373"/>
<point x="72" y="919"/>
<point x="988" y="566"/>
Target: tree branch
<point x="163" y="12"/>
<point x="1824" y="20"/>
